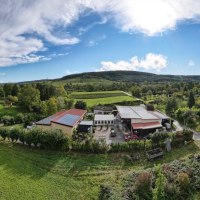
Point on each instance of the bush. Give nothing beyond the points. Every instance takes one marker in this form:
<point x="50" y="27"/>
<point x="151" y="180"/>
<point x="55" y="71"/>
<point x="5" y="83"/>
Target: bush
<point x="14" y="134"/>
<point x="8" y="120"/>
<point x="4" y="133"/>
<point x="144" y="185"/>
<point x="19" y="118"/>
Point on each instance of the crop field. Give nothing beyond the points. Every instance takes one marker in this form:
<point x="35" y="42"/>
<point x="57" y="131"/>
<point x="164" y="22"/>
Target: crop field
<point x="37" y="174"/>
<point x="95" y="95"/>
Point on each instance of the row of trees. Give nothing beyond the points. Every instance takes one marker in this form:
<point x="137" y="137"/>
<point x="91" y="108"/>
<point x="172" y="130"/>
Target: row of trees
<point x="53" y="139"/>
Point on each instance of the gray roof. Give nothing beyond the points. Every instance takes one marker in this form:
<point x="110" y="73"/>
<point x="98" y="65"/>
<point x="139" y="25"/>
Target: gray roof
<point x="86" y="123"/>
<point x="46" y="121"/>
<point x="139" y="112"/>
<point x="104" y="117"/>
<point x="143" y="113"/>
<point x="159" y="114"/>
<point x="127" y="113"/>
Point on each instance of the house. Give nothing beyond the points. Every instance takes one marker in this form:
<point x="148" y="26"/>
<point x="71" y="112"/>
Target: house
<point x="103" y="110"/>
<point x="65" y="120"/>
<point x="104" y="120"/>
<point x="141" y="121"/>
<point x="85" y="127"/>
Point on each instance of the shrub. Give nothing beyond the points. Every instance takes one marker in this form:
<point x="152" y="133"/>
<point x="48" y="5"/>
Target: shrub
<point x="4" y="133"/>
<point x="144" y="185"/>
<point x="187" y="134"/>
<point x="8" y="120"/>
<point x="183" y="180"/>
<point x="105" y="192"/>
<point x="19" y="118"/>
<point x="14" y="134"/>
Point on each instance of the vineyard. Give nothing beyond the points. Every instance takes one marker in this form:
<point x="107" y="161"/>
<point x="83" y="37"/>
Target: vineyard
<point x="96" y="95"/>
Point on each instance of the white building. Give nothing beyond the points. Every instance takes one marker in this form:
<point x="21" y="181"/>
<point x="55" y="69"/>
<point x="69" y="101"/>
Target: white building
<point x="102" y="120"/>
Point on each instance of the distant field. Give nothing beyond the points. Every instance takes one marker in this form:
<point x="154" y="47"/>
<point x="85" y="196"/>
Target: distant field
<point x="47" y="175"/>
<point x="95" y="95"/>
<point x="108" y="100"/>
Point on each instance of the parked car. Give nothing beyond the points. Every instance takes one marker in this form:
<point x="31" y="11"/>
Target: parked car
<point x="130" y="137"/>
<point x="112" y="133"/>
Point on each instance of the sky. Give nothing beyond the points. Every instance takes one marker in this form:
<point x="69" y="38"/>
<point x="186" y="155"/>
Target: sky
<point x="44" y="39"/>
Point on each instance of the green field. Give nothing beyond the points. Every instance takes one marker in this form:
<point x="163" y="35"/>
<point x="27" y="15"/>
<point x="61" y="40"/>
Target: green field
<point x="96" y="95"/>
<point x="38" y="174"/>
<point x="104" y="98"/>
<point x="108" y="100"/>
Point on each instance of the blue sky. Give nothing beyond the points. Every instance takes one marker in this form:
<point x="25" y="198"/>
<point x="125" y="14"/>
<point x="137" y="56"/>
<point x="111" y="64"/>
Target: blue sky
<point x="41" y="40"/>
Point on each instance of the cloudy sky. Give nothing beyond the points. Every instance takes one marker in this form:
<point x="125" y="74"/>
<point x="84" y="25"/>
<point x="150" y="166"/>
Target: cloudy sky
<point x="49" y="39"/>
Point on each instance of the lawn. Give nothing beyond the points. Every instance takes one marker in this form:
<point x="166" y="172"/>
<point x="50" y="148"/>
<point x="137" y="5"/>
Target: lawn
<point x="12" y="111"/>
<point x="38" y="174"/>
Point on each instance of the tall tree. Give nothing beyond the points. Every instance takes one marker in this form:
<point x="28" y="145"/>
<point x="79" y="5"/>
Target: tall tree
<point x="29" y="96"/>
<point x="191" y="100"/>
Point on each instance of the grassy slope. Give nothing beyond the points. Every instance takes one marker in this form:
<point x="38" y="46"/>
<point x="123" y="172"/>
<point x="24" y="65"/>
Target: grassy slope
<point x="35" y="174"/>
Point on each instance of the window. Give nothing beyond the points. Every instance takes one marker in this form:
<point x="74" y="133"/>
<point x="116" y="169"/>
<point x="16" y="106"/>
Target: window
<point x="102" y="122"/>
<point x="105" y="122"/>
<point x="108" y="122"/>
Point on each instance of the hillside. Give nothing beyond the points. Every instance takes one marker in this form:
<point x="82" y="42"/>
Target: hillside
<point x="128" y="76"/>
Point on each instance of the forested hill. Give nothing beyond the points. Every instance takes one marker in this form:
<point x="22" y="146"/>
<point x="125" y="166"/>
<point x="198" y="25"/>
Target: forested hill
<point x="129" y="76"/>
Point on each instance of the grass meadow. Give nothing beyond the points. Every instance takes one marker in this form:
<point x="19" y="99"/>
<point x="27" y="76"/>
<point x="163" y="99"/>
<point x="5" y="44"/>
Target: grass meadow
<point x="39" y="174"/>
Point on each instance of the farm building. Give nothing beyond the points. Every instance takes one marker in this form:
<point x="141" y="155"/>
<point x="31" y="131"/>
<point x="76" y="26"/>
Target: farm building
<point x="103" y="110"/>
<point x="65" y="120"/>
<point x="85" y="126"/>
<point x="141" y="121"/>
<point x="102" y="120"/>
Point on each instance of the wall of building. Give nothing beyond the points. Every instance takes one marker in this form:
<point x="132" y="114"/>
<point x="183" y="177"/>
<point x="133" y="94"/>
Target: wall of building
<point x="145" y="120"/>
<point x="105" y="122"/>
<point x="66" y="129"/>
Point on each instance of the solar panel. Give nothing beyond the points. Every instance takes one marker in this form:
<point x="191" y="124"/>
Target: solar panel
<point x="68" y="119"/>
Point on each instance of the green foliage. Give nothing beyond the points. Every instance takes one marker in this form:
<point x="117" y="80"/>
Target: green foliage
<point x="14" y="134"/>
<point x="171" y="106"/>
<point x="105" y="192"/>
<point x="4" y="133"/>
<point x="8" y="120"/>
<point x="191" y="100"/>
<point x="28" y="97"/>
<point x="80" y="105"/>
<point x="158" y="191"/>
<point x="136" y="91"/>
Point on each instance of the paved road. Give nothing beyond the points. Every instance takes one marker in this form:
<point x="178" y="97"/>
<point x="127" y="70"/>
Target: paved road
<point x="128" y="94"/>
<point x="177" y="125"/>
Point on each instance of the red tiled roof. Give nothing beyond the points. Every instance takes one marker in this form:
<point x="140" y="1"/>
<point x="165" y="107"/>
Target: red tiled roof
<point x="146" y="125"/>
<point x="65" y="117"/>
<point x="77" y="114"/>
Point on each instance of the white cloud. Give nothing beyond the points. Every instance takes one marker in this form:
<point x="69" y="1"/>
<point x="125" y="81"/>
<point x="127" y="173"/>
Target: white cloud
<point x="96" y="41"/>
<point x="191" y="63"/>
<point x="151" y="61"/>
<point x="45" y="18"/>
<point x="69" y="72"/>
